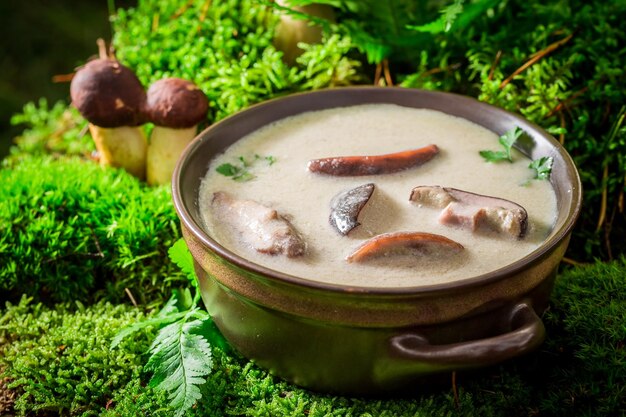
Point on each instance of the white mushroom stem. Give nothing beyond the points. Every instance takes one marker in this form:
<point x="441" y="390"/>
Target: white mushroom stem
<point x="166" y="145"/>
<point x="124" y="147"/>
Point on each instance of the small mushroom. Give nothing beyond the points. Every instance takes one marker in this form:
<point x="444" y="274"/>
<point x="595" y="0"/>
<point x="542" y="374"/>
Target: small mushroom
<point x="345" y="166"/>
<point x="346" y="206"/>
<point x="110" y="96"/>
<point x="414" y="243"/>
<point x="473" y="211"/>
<point x="175" y="106"/>
<point x="291" y="31"/>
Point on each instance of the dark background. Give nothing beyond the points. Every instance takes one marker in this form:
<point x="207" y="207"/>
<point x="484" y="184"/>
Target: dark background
<point x="40" y="39"/>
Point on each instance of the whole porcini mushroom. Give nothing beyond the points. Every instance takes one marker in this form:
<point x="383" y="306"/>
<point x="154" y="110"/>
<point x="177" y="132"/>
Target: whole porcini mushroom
<point x="291" y="31"/>
<point x="176" y="107"/>
<point x="111" y="97"/>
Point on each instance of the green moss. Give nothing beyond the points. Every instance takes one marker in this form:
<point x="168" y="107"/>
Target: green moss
<point x="70" y="230"/>
<point x="56" y="129"/>
<point x="226" y="49"/>
<point x="59" y="361"/>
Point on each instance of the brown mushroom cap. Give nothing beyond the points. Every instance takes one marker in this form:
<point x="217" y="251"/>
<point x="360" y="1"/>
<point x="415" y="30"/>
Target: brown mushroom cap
<point x="176" y="103"/>
<point x="108" y="94"/>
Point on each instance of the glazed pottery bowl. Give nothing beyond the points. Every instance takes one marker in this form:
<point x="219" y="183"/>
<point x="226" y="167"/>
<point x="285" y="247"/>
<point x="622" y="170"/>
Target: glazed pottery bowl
<point x="355" y="340"/>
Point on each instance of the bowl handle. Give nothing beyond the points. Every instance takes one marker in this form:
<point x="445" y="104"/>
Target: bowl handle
<point x="527" y="334"/>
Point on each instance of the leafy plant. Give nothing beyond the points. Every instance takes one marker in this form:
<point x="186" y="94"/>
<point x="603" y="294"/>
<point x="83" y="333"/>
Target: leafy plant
<point x="51" y="129"/>
<point x="233" y="61"/>
<point x="180" y="356"/>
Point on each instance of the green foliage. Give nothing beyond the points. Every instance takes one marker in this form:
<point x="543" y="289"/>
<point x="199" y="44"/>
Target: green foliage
<point x="226" y="49"/>
<point x="181" y="359"/>
<point x="557" y="64"/>
<point x="444" y="23"/>
<point x="71" y="230"/>
<point x="180" y="356"/>
<point x="59" y="361"/>
<point x="507" y="140"/>
<point x="55" y="129"/>
<point x="580" y="370"/>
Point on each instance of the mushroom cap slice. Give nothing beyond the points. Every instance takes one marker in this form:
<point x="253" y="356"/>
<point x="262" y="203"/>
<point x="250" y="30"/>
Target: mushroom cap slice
<point x="418" y="243"/>
<point x="473" y="211"/>
<point x="258" y="226"/>
<point x="176" y="103"/>
<point x="346" y="206"/>
<point x="108" y="94"/>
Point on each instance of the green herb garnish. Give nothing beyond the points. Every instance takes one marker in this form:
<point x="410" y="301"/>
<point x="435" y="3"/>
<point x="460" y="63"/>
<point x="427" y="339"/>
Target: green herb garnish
<point x="507" y="140"/>
<point x="241" y="171"/>
<point x="542" y="167"/>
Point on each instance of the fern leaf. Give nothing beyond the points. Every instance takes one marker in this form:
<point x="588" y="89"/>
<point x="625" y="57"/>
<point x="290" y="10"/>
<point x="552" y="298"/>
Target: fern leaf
<point x="168" y="314"/>
<point x="180" y="360"/>
<point x="180" y="255"/>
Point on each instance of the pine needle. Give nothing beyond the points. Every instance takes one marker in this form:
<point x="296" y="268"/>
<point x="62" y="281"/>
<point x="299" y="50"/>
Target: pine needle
<point x="535" y="58"/>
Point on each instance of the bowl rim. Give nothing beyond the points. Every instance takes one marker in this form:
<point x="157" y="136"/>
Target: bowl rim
<point x="277" y="277"/>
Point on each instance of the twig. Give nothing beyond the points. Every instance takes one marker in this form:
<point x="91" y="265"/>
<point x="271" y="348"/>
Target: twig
<point x="620" y="198"/>
<point x="605" y="176"/>
<point x="439" y="69"/>
<point x="83" y="131"/>
<point x="155" y="22"/>
<point x="387" y="72"/>
<point x="95" y="238"/>
<point x="377" y="74"/>
<point x="562" y="134"/>
<point x="63" y="78"/>
<point x="565" y="102"/>
<point x="572" y="262"/>
<point x="203" y="13"/>
<point x="536" y="57"/>
<point x="70" y="255"/>
<point x="130" y="295"/>
<point x="455" y="392"/>
<point x="607" y="234"/>
<point x="496" y="61"/>
<point x="182" y="10"/>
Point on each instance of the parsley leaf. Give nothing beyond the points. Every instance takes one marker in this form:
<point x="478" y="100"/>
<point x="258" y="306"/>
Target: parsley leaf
<point x="506" y="140"/>
<point x="542" y="167"/>
<point x="493" y="156"/>
<point x="241" y="171"/>
<point x="228" y="170"/>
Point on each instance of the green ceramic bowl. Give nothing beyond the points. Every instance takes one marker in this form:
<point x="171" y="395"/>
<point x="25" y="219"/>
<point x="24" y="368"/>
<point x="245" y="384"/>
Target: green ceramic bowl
<point x="372" y="340"/>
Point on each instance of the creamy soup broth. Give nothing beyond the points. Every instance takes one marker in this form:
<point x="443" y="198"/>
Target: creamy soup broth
<point x="304" y="197"/>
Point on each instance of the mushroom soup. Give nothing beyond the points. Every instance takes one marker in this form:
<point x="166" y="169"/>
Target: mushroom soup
<point x="375" y="195"/>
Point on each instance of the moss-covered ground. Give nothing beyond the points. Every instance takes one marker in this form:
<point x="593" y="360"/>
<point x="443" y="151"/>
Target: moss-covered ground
<point x="83" y="249"/>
